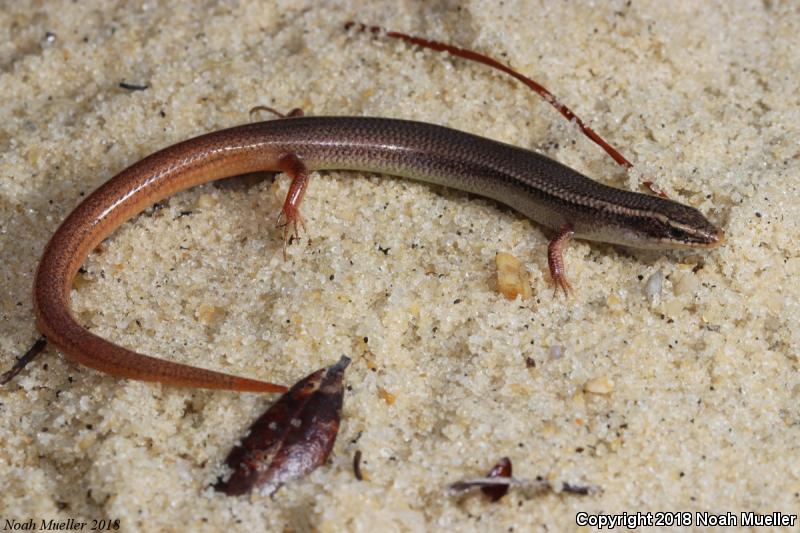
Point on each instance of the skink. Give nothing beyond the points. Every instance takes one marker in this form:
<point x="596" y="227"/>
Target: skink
<point x="540" y="188"/>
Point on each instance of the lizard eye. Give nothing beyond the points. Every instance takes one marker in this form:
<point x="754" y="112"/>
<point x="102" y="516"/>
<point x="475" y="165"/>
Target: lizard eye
<point x="678" y="234"/>
<point x="675" y="233"/>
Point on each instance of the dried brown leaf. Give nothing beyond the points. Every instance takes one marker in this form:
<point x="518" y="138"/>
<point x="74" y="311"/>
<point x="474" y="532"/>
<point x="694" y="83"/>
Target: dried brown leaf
<point x="292" y="438"/>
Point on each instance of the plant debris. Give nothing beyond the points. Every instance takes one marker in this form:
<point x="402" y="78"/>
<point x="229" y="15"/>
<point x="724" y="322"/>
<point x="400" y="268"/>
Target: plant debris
<point x="133" y="86"/>
<point x="357" y="466"/>
<point x="24" y="360"/>
<point x="501" y="470"/>
<point x="499" y="480"/>
<point x="477" y="57"/>
<point x="292" y="438"/>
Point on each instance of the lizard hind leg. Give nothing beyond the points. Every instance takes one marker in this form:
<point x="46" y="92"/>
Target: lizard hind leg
<point x="290" y="220"/>
<point x="555" y="259"/>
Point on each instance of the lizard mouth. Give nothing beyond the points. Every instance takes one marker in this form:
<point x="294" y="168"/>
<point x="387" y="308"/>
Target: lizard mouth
<point x="717" y="239"/>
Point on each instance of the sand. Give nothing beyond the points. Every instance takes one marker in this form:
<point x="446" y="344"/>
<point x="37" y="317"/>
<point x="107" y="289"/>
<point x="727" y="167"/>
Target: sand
<point x="686" y="400"/>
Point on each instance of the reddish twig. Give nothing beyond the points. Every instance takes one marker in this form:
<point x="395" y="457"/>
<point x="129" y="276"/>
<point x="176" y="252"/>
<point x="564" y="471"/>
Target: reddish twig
<point x="542" y="91"/>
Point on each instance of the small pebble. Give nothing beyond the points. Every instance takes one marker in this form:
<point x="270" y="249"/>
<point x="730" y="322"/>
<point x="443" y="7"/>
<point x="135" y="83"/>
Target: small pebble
<point x="600" y="385"/>
<point x="556" y="351"/>
<point x="654" y="284"/>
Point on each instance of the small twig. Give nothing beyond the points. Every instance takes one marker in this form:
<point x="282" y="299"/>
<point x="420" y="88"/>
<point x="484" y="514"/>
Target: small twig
<point x="357" y="466"/>
<point x="296" y="112"/>
<point x="538" y="88"/>
<point x="537" y="485"/>
<point x="480" y="482"/>
<point x="577" y="489"/>
<point x="486" y="60"/>
<point x="23" y="361"/>
<point x="133" y="87"/>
